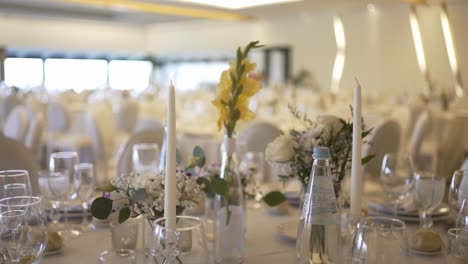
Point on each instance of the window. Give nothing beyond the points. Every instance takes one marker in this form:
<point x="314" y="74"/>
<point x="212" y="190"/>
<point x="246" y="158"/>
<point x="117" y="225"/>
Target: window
<point x="129" y="75"/>
<point x="76" y="74"/>
<point x="23" y="72"/>
<point x="191" y="75"/>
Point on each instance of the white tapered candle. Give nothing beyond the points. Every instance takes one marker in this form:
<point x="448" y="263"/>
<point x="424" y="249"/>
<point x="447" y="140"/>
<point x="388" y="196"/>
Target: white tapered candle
<point x="170" y="180"/>
<point x="356" y="167"/>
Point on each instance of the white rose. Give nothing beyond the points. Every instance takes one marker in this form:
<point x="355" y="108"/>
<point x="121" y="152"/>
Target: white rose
<point x="280" y="150"/>
<point x="330" y="123"/>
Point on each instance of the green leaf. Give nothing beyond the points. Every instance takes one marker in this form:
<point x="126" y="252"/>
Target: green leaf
<point x="274" y="198"/>
<point x="367" y="159"/>
<point x="138" y="195"/>
<point x="200" y="154"/>
<point x="106" y="188"/>
<point x="366" y="133"/>
<point x="219" y="185"/>
<point x="236" y="115"/>
<point x="192" y="163"/>
<point x="101" y="208"/>
<point x="124" y="214"/>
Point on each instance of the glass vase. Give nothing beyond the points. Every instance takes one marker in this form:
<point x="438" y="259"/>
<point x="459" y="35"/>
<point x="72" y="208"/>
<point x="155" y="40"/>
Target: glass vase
<point x="229" y="209"/>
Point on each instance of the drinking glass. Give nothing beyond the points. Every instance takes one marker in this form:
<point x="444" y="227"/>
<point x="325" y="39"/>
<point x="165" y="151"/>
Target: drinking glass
<point x="252" y="166"/>
<point x="23" y="228"/>
<point x="428" y="195"/>
<point x="52" y="205"/>
<point x="458" y="191"/>
<point x="58" y="185"/>
<point x="190" y="241"/>
<point x="379" y="240"/>
<point x="457" y="251"/>
<point x="14" y="183"/>
<point x="397" y="177"/>
<point x="62" y="184"/>
<point x="145" y="157"/>
<point x="121" y="256"/>
<point x="84" y="183"/>
<point x="124" y="235"/>
<point x="462" y="216"/>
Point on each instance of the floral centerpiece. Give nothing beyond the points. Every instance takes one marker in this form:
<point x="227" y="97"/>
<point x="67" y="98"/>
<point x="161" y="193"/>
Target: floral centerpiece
<point x="294" y="149"/>
<point x="134" y="194"/>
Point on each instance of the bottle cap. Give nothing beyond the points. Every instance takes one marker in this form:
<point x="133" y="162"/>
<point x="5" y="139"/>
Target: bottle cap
<point x="321" y="153"/>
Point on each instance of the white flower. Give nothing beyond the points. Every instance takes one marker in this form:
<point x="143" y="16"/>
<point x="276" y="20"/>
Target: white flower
<point x="280" y="150"/>
<point x="330" y="124"/>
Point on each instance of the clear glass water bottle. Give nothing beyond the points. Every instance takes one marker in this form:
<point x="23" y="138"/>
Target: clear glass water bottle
<point x="229" y="210"/>
<point x="319" y="233"/>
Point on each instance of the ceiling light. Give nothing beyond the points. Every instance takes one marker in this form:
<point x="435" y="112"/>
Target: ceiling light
<point x="238" y="4"/>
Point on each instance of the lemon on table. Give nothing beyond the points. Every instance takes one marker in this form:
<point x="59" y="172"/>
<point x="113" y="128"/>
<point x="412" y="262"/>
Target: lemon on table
<point x="426" y="241"/>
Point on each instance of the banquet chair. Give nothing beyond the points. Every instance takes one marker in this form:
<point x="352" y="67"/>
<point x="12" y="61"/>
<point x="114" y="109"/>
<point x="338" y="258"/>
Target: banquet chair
<point x="464" y="166"/>
<point x="16" y="125"/>
<point x="256" y="138"/>
<point x="420" y="133"/>
<point x="124" y="163"/>
<point x="33" y="138"/>
<point x="58" y="118"/>
<point x="403" y="115"/>
<point x="15" y="156"/>
<point x="209" y="144"/>
<point x="127" y="116"/>
<point x="7" y="105"/>
<point x="385" y="138"/>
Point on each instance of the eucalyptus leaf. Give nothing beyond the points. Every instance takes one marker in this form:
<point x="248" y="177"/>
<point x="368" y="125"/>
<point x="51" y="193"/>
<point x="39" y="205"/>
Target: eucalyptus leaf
<point x="124" y="214"/>
<point x="138" y="195"/>
<point x="367" y="158"/>
<point x="274" y="198"/>
<point x="106" y="188"/>
<point x="200" y="154"/>
<point x="101" y="208"/>
<point x="366" y="133"/>
<point x="219" y="185"/>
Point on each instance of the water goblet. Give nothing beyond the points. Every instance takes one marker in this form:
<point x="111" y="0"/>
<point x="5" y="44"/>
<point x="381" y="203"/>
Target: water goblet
<point x="145" y="157"/>
<point x="84" y="184"/>
<point x="428" y="195"/>
<point x="14" y="183"/>
<point x="458" y="191"/>
<point x="62" y="184"/>
<point x="397" y="177"/>
<point x="23" y="228"/>
<point x="462" y="216"/>
<point x="379" y="240"/>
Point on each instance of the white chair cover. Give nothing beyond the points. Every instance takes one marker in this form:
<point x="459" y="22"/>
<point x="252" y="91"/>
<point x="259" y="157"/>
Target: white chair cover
<point x="58" y="118"/>
<point x="127" y="116"/>
<point x="403" y="115"/>
<point x="16" y="157"/>
<point x="124" y="163"/>
<point x="7" y="105"/>
<point x="34" y="135"/>
<point x="465" y="165"/>
<point x="385" y="138"/>
<point x="209" y="144"/>
<point x="16" y="125"/>
<point x="420" y="133"/>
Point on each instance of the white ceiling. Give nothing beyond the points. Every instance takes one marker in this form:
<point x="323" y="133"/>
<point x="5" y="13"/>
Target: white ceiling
<point x="61" y="9"/>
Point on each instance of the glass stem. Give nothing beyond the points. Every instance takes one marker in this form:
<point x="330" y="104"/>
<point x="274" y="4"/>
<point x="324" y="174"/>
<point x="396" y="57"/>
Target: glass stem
<point x="65" y="211"/>
<point x="84" y="207"/>
<point x="425" y="218"/>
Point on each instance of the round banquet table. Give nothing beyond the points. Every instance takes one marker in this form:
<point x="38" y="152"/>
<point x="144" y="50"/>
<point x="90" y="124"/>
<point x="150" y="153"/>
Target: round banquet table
<point x="263" y="245"/>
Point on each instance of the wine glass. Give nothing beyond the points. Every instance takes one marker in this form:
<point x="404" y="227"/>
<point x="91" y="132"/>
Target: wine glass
<point x="427" y="195"/>
<point x="462" y="216"/>
<point x="121" y="256"/>
<point x="145" y="157"/>
<point x="379" y="240"/>
<point x="23" y="230"/>
<point x="397" y="177"/>
<point x="14" y="183"/>
<point x="458" y="191"/>
<point x="49" y="199"/>
<point x="61" y="184"/>
<point x="84" y="183"/>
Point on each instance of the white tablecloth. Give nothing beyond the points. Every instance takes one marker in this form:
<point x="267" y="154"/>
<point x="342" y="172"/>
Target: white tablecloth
<point x="263" y="244"/>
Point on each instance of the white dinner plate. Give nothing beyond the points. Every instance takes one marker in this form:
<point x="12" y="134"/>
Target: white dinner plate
<point x="288" y="230"/>
<point x="387" y="209"/>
